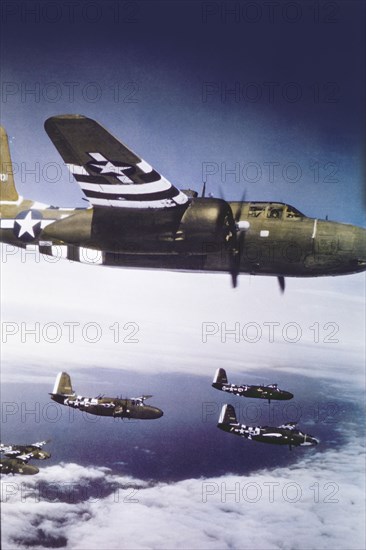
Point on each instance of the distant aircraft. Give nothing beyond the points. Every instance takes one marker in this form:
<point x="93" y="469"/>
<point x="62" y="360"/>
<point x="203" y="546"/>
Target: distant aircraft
<point x="35" y="448"/>
<point x="269" y="392"/>
<point x="103" y="406"/>
<point x="17" y="466"/>
<point x="137" y="218"/>
<point x="287" y="434"/>
<point x="18" y="457"/>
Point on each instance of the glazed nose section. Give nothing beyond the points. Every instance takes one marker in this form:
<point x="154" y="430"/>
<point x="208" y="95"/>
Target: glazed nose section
<point x="310" y="440"/>
<point x="43" y="455"/>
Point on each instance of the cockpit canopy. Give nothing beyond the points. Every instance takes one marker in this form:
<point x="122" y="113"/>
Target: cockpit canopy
<point x="273" y="210"/>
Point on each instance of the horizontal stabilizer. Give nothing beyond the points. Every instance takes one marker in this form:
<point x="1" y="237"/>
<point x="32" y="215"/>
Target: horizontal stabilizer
<point x="108" y="173"/>
<point x="40" y="444"/>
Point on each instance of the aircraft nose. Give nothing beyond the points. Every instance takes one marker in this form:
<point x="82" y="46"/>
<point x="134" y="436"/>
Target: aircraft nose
<point x="360" y="248"/>
<point x="29" y="470"/>
<point x="153" y="412"/>
<point x="43" y="455"/>
<point x="158" y="413"/>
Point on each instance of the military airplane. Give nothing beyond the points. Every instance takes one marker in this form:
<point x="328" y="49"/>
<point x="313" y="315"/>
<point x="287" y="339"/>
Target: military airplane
<point x="287" y="434"/>
<point x="34" y="448"/>
<point x="269" y="392"/>
<point x="17" y="457"/>
<point x="103" y="406"/>
<point x="17" y="466"/>
<point x="137" y="218"/>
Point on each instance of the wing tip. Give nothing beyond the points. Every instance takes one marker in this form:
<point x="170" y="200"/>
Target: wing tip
<point x="59" y="118"/>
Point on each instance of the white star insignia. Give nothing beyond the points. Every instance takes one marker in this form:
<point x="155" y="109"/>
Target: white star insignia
<point x="109" y="167"/>
<point x="27" y="225"/>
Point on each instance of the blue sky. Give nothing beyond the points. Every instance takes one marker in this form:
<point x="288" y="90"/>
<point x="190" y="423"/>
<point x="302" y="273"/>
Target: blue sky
<point x="184" y="85"/>
<point x="158" y="75"/>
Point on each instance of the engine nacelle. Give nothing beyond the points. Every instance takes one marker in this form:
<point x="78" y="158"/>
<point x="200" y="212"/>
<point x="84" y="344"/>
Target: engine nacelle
<point x="207" y="226"/>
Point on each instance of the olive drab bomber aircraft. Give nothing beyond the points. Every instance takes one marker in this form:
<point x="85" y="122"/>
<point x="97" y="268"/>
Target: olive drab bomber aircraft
<point x="286" y="434"/>
<point x="137" y="218"/>
<point x="17" y="457"/>
<point x="271" y="391"/>
<point x="117" y="407"/>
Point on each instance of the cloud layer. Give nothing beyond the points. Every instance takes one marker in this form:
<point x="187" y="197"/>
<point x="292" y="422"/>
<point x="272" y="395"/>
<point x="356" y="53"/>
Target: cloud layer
<point x="171" y="312"/>
<point x="317" y="503"/>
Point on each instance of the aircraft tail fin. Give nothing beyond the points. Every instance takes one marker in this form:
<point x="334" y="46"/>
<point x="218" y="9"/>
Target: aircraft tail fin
<point x="8" y="192"/>
<point x="63" y="385"/>
<point x="228" y="415"/>
<point x="220" y="378"/>
<point x="109" y="174"/>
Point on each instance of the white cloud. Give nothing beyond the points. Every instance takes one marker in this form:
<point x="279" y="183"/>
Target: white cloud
<point x="168" y="311"/>
<point x="317" y="503"/>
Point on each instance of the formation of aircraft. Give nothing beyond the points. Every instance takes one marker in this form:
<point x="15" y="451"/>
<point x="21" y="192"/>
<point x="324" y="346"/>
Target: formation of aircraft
<point x="269" y="392"/>
<point x="103" y="406"/>
<point x="286" y="434"/>
<point x="17" y="457"/>
<point x="137" y="218"/>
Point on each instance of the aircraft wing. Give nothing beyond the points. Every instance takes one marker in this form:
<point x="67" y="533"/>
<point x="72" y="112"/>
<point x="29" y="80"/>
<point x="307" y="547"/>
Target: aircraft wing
<point x="289" y="426"/>
<point x="142" y="397"/>
<point x="25" y="457"/>
<point x="109" y="174"/>
<point x="10" y="451"/>
<point x="40" y="444"/>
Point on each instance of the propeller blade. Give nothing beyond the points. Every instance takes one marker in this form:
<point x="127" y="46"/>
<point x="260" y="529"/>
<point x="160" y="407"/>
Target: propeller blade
<point x="203" y="189"/>
<point x="281" y="282"/>
<point x="234" y="277"/>
<point x="240" y="227"/>
<point x="239" y="209"/>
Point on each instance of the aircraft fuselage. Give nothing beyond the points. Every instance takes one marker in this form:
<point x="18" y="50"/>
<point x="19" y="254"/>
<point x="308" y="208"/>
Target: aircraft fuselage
<point x="109" y="406"/>
<point x="15" y="466"/>
<point x="261" y="392"/>
<point x="276" y="240"/>
<point x="268" y="434"/>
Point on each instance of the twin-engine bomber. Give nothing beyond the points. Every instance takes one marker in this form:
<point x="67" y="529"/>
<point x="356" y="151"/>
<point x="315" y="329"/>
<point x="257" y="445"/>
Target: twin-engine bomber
<point x="116" y="407"/>
<point x="17" y="457"/>
<point x="286" y="434"/>
<point x="137" y="218"/>
<point x="220" y="382"/>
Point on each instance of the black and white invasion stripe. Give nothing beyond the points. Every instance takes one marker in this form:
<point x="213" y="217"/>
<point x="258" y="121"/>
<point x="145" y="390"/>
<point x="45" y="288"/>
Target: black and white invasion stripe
<point x="105" y="183"/>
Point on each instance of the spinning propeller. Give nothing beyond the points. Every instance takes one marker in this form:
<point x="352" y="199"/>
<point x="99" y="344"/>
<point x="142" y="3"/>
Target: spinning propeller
<point x="240" y="228"/>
